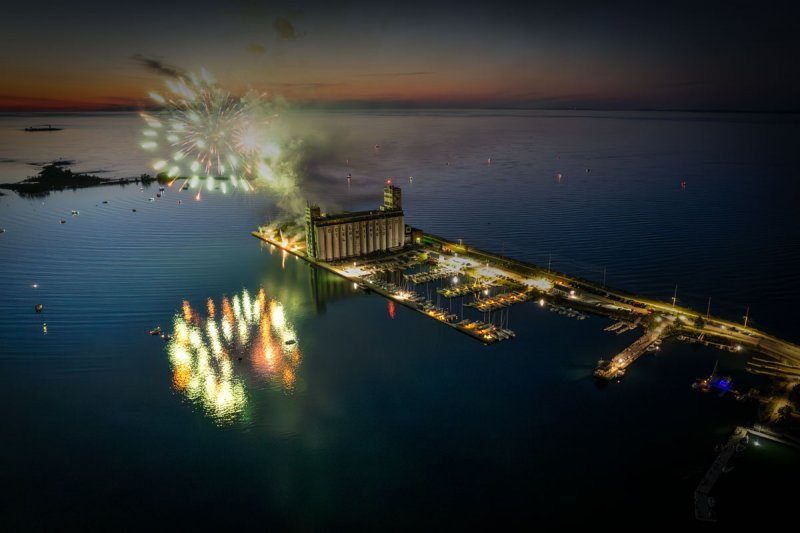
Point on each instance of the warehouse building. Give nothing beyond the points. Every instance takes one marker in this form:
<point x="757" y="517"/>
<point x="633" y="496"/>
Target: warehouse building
<point x="347" y="235"/>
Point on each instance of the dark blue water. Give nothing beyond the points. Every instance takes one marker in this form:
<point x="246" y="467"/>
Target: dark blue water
<point x="377" y="417"/>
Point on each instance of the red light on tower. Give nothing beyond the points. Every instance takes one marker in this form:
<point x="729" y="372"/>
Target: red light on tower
<point x="388" y="181"/>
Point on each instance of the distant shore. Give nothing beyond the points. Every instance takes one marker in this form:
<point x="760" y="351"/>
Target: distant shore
<point x="55" y="176"/>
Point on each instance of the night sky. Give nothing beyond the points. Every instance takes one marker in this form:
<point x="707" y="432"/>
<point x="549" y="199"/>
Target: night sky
<point x="559" y="54"/>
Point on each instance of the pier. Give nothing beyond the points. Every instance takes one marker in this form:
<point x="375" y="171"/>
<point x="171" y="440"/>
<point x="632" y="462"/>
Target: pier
<point x="703" y="502"/>
<point x="615" y="368"/>
<point x="622" y="327"/>
<point x="500" y="301"/>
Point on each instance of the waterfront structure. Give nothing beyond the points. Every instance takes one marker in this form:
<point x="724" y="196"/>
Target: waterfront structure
<point x="332" y="237"/>
<point x="392" y="197"/>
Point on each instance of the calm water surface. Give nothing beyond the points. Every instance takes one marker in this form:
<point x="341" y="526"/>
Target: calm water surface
<point x="376" y="416"/>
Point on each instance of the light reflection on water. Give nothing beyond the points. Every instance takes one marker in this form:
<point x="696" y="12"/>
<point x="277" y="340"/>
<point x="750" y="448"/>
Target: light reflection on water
<point x="206" y="352"/>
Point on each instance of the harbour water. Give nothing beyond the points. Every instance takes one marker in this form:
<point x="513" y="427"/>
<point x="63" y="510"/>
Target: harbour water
<point x="376" y="416"/>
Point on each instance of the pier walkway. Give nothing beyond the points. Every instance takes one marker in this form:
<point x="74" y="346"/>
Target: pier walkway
<point x="615" y="368"/>
<point x="703" y="502"/>
<point x="500" y="301"/>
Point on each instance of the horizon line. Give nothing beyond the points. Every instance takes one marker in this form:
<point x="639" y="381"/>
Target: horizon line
<point x="388" y="105"/>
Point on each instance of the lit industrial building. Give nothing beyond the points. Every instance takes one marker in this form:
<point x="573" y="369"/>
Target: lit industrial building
<point x="347" y="235"/>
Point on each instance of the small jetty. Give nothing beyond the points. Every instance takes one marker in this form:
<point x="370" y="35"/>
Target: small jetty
<point x="622" y="327"/>
<point x="615" y="368"/>
<point x="500" y="301"/>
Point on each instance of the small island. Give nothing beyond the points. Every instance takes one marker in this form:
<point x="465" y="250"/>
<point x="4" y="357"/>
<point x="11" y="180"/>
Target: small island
<point x="56" y="177"/>
<point x="43" y="127"/>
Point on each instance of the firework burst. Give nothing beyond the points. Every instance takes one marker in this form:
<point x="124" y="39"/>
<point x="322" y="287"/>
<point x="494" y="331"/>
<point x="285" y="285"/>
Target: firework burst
<point x="205" y="131"/>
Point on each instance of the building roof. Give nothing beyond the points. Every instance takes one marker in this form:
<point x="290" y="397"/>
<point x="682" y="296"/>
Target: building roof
<point x="356" y="216"/>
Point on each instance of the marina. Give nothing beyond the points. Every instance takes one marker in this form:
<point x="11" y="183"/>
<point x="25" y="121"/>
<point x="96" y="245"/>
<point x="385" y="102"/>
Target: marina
<point x="370" y="254"/>
<point x="487" y="333"/>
